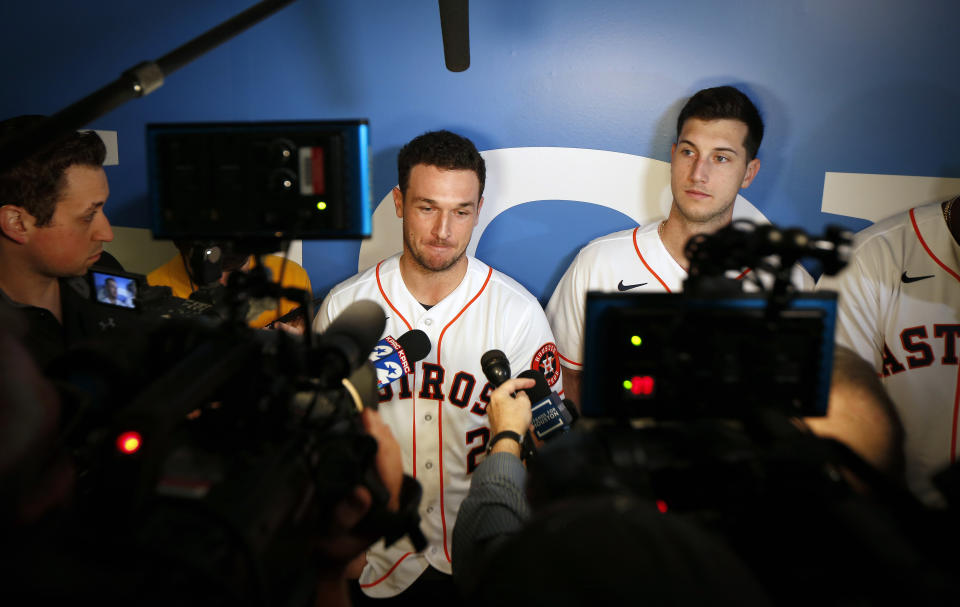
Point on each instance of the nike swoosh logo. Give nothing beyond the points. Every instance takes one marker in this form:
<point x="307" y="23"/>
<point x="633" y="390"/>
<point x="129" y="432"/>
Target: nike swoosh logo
<point x="908" y="279"/>
<point x="623" y="287"/>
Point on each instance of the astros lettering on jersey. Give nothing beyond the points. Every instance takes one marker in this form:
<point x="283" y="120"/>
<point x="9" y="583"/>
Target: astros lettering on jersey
<point x="438" y="412"/>
<point x="899" y="308"/>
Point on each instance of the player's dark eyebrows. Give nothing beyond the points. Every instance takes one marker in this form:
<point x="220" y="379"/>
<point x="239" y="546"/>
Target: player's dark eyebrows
<point x="94" y="206"/>
<point x="430" y="201"/>
<point x="719" y="149"/>
<point x="726" y="149"/>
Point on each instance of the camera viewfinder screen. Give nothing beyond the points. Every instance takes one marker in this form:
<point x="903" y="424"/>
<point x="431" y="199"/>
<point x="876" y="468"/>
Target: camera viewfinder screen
<point x="115" y="290"/>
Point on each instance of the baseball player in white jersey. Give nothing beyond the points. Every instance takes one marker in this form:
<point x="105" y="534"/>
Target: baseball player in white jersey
<point x="899" y="308"/>
<point x="642" y="263"/>
<point x="438" y="411"/>
<point x="718" y="134"/>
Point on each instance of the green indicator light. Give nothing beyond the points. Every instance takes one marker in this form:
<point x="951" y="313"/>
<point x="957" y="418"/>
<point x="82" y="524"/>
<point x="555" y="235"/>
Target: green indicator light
<point x="321" y="206"/>
<point x="627" y="384"/>
<point x="636" y="340"/>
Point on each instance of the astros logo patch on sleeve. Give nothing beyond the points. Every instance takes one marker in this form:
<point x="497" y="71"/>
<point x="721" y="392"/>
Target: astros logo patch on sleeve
<point x="547" y="361"/>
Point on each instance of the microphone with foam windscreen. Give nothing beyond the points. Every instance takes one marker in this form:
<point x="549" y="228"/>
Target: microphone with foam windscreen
<point x="344" y="346"/>
<point x="495" y="366"/>
<point x="551" y="416"/>
<point x="394" y="358"/>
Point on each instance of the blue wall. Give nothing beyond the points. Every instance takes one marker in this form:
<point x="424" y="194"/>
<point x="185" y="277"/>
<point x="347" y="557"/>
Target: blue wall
<point x="867" y="86"/>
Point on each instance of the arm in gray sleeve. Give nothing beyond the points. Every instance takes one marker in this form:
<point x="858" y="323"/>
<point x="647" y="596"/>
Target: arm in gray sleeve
<point x="495" y="508"/>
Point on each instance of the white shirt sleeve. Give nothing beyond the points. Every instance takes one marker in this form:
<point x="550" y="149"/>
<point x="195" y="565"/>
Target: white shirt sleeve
<point x="534" y="341"/>
<point x="325" y="315"/>
<point x="859" y="326"/>
<point x="566" y="311"/>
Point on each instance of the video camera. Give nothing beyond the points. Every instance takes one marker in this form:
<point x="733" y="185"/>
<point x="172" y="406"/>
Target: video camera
<point x="738" y="338"/>
<point x="693" y="403"/>
<point x="208" y="454"/>
<point x="684" y="383"/>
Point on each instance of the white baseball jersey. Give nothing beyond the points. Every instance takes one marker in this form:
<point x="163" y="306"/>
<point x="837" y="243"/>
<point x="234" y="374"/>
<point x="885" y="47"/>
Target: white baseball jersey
<point x="438" y="411"/>
<point x="899" y="308"/>
<point x="631" y="261"/>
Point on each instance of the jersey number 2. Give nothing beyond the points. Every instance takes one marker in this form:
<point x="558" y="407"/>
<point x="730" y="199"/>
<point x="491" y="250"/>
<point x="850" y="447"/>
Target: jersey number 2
<point x="483" y="434"/>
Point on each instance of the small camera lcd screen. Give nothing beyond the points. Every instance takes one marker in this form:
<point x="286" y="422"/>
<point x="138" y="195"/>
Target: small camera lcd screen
<point x="115" y="290"/>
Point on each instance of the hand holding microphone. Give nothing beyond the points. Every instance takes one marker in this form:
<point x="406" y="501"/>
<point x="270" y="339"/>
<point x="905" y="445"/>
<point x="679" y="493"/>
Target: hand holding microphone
<point x="551" y="416"/>
<point x="509" y="415"/>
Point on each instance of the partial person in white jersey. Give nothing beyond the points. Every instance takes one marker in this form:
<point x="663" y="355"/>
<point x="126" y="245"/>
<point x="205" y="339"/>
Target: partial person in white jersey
<point x="466" y="308"/>
<point x="899" y="308"/>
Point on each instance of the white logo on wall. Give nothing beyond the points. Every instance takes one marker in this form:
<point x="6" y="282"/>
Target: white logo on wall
<point x="876" y="197"/>
<point x="638" y="187"/>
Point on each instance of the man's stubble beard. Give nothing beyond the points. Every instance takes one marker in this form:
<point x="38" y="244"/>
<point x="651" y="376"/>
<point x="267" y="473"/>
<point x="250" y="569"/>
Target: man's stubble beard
<point x="712" y="218"/>
<point x="420" y="261"/>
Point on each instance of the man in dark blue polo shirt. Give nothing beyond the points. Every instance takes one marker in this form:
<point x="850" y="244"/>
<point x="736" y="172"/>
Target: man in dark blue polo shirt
<point x="52" y="230"/>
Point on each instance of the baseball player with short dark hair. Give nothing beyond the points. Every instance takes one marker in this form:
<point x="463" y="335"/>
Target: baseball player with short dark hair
<point x="438" y="411"/>
<point x="719" y="131"/>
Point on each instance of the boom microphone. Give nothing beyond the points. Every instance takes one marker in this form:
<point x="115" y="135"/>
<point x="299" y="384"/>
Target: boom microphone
<point x="396" y="357"/>
<point x="455" y="30"/>
<point x="551" y="416"/>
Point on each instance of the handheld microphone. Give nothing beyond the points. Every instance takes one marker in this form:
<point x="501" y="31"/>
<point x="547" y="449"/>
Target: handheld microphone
<point x="551" y="416"/>
<point x="396" y="357"/>
<point x="495" y="366"/>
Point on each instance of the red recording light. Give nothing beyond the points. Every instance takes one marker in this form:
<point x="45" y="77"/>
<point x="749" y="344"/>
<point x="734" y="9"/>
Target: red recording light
<point x="129" y="442"/>
<point x="642" y="385"/>
<point x="662" y="506"/>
